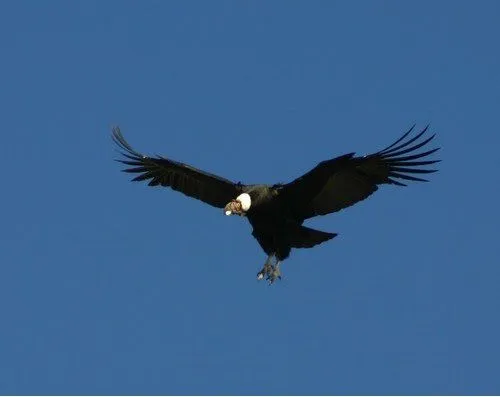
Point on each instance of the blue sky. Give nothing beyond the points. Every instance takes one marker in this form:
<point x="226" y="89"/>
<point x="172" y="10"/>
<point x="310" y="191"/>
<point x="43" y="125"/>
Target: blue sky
<point x="110" y="287"/>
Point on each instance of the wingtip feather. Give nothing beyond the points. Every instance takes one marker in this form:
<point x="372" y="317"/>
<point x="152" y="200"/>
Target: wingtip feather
<point x="401" y="166"/>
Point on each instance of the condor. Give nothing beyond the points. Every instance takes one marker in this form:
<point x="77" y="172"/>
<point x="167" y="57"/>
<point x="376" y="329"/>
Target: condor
<point x="277" y="212"/>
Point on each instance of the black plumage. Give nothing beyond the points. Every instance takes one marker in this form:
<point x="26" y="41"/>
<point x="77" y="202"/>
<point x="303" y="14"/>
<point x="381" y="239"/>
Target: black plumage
<point x="277" y="212"/>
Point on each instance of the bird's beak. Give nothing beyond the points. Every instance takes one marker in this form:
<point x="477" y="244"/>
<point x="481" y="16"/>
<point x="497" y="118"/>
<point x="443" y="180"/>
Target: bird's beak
<point x="233" y="207"/>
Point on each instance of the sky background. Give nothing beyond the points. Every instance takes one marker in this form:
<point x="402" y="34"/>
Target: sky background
<point x="110" y="287"/>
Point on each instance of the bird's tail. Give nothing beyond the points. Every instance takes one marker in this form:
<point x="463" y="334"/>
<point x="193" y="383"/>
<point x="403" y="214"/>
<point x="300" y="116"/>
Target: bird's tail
<point x="304" y="237"/>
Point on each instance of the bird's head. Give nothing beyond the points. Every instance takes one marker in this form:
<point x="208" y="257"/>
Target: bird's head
<point x="239" y="206"/>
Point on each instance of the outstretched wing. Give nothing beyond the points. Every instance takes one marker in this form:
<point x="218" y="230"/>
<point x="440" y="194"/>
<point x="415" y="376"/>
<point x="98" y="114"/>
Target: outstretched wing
<point x="183" y="178"/>
<point x="343" y="181"/>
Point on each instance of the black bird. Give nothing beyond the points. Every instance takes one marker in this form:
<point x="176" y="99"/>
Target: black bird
<point x="277" y="212"/>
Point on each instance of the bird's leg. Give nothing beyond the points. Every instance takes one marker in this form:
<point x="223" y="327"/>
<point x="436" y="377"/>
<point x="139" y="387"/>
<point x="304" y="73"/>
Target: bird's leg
<point x="275" y="273"/>
<point x="270" y="271"/>
<point x="267" y="269"/>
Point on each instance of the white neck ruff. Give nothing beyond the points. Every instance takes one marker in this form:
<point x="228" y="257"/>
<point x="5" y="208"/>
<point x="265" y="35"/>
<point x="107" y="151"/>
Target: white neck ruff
<point x="245" y="200"/>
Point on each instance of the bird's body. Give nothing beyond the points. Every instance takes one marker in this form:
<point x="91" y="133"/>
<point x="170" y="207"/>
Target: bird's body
<point x="277" y="212"/>
<point x="275" y="226"/>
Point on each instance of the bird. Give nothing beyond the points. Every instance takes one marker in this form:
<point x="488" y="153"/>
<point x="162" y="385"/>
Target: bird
<point x="277" y="212"/>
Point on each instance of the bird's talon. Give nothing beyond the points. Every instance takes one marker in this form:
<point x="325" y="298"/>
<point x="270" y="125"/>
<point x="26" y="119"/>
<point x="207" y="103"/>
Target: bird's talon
<point x="273" y="274"/>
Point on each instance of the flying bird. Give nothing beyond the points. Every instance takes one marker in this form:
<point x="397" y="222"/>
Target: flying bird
<point x="277" y="212"/>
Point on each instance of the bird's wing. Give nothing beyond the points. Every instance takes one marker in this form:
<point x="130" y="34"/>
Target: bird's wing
<point x="343" y="181"/>
<point x="183" y="178"/>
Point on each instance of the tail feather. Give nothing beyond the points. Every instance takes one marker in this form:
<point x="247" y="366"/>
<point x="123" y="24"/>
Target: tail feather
<point x="304" y="237"/>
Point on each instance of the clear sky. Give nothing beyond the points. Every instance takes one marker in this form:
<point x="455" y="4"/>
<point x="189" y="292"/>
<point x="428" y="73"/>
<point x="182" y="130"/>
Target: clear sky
<point x="111" y="287"/>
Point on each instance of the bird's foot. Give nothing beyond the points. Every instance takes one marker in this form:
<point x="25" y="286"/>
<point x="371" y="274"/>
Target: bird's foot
<point x="275" y="274"/>
<point x="265" y="272"/>
<point x="270" y="272"/>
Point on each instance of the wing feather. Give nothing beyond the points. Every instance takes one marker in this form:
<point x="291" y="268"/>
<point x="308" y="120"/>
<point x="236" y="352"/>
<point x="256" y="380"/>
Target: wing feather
<point x="404" y="144"/>
<point x="343" y="181"/>
<point x="195" y="183"/>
